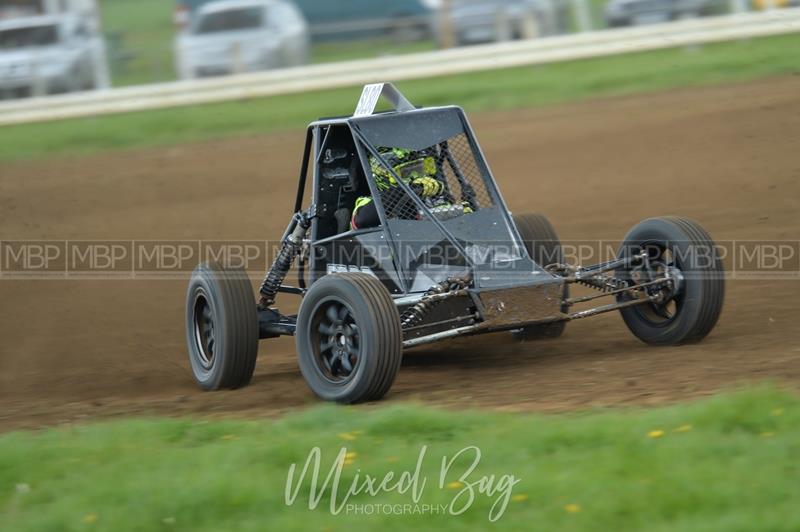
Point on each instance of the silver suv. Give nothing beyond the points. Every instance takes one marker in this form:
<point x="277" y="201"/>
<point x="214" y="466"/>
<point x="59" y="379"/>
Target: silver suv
<point x="479" y="21"/>
<point x="236" y="36"/>
<point x="46" y="54"/>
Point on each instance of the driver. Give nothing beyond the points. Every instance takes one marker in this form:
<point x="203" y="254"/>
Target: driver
<point x="418" y="169"/>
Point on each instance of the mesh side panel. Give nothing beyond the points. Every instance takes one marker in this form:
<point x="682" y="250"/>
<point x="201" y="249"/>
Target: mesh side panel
<point x="470" y="186"/>
<point x="465" y="187"/>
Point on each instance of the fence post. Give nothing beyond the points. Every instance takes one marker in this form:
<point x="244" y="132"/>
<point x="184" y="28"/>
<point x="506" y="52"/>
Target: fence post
<point x="102" y="76"/>
<point x="582" y="14"/>
<point x="530" y="26"/>
<point x="738" y="6"/>
<point x="447" y="37"/>
<point x="502" y="23"/>
<point x="38" y="88"/>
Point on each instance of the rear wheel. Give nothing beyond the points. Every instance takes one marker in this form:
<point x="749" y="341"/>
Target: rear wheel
<point x="688" y="310"/>
<point x="349" y="338"/>
<point x="544" y="247"/>
<point x="221" y="327"/>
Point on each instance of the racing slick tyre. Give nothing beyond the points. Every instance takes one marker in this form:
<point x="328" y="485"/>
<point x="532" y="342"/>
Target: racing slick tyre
<point x="688" y="311"/>
<point x="349" y="338"/>
<point x="544" y="247"/>
<point x="221" y="327"/>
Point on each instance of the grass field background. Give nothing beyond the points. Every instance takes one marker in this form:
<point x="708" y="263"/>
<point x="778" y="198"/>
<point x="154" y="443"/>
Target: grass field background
<point x="729" y="463"/>
<point x="480" y="91"/>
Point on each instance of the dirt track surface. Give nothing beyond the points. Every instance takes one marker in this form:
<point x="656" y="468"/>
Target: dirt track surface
<point x="726" y="157"/>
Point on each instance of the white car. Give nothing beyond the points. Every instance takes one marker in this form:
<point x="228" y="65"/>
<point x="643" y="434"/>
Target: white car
<point x="481" y="21"/>
<point x="236" y="36"/>
<point x="46" y="54"/>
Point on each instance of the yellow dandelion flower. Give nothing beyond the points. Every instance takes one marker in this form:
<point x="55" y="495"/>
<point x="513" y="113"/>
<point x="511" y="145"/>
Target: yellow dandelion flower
<point x="455" y="485"/>
<point x="89" y="518"/>
<point x="684" y="428"/>
<point x="349" y="436"/>
<point x="767" y="434"/>
<point x="520" y="497"/>
<point x="348" y="461"/>
<point x="776" y="412"/>
<point x="572" y="508"/>
<point x="655" y="433"/>
<point x="350" y="456"/>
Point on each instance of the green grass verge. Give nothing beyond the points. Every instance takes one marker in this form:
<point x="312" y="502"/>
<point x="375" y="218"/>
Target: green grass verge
<point x="729" y="463"/>
<point x="501" y="89"/>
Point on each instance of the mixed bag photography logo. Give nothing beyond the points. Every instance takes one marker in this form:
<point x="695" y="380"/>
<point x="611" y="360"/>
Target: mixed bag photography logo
<point x="349" y="490"/>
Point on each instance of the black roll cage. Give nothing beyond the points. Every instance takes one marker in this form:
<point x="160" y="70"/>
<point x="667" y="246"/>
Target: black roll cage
<point x="317" y="135"/>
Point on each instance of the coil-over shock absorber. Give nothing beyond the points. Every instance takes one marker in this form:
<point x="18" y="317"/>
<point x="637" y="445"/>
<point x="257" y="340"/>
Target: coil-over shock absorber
<point x="417" y="312"/>
<point x="291" y="245"/>
<point x="604" y="284"/>
<point x="588" y="278"/>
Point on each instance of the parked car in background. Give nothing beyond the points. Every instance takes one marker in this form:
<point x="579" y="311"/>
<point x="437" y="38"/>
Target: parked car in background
<point x="638" y="12"/>
<point x="235" y="36"/>
<point x="329" y="19"/>
<point x="15" y="11"/>
<point x="762" y="5"/>
<point x="401" y="20"/>
<point x="480" y="21"/>
<point x="46" y="54"/>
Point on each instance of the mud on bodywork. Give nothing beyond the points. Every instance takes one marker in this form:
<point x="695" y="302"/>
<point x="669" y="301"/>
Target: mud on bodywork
<point x="520" y="305"/>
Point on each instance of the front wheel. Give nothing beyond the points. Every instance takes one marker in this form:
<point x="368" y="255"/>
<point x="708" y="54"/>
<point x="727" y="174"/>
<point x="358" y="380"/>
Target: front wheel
<point x="688" y="309"/>
<point x="221" y="327"/>
<point x="349" y="338"/>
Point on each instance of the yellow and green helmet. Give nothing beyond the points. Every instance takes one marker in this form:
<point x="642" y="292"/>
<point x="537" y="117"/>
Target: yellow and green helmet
<point x="407" y="164"/>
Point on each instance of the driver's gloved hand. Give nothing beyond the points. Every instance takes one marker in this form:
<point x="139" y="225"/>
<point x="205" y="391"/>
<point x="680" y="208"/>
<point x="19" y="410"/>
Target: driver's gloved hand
<point x="427" y="187"/>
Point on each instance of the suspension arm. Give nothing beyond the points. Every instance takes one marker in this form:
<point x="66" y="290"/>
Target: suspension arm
<point x="608" y="308"/>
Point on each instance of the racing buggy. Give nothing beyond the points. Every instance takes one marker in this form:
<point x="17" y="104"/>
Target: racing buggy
<point x="442" y="257"/>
